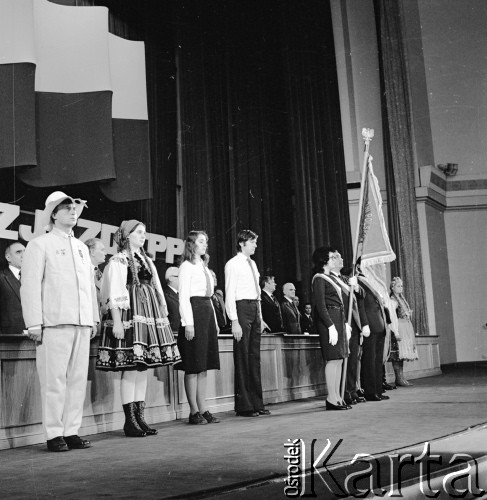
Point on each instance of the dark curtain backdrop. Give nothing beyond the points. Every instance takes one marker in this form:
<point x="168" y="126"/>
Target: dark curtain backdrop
<point x="259" y="124"/>
<point x="261" y="131"/>
<point x="399" y="158"/>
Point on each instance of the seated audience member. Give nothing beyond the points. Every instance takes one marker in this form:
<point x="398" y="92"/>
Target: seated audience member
<point x="219" y="306"/>
<point x="97" y="256"/>
<point x="307" y="323"/>
<point x="271" y="310"/>
<point x="290" y="313"/>
<point x="11" y="319"/>
<point x="171" y="294"/>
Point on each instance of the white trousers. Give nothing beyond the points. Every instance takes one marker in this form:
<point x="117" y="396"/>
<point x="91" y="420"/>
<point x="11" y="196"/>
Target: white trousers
<point x="62" y="366"/>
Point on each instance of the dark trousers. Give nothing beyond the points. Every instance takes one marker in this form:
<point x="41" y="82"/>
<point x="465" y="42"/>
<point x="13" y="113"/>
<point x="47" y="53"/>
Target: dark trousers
<point x="246" y="357"/>
<point x="371" y="369"/>
<point x="352" y="364"/>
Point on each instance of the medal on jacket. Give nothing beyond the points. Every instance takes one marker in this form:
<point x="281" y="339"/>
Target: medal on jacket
<point x="81" y="255"/>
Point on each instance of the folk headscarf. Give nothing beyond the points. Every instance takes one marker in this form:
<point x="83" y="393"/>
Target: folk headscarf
<point x="123" y="232"/>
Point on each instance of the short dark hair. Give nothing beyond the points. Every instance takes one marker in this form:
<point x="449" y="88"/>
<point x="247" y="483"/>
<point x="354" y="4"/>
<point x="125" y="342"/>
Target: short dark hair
<point x="265" y="279"/>
<point x="320" y="258"/>
<point x="243" y="236"/>
<point x="67" y="201"/>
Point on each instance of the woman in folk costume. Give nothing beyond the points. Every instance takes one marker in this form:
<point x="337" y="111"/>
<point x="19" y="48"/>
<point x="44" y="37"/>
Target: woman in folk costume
<point x="403" y="343"/>
<point x="330" y="321"/>
<point x="135" y="333"/>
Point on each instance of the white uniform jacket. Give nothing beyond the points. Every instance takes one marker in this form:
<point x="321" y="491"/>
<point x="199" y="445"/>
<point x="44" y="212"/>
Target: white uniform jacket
<point x="58" y="285"/>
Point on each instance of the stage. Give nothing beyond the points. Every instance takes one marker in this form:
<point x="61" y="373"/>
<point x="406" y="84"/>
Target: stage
<point x="244" y="457"/>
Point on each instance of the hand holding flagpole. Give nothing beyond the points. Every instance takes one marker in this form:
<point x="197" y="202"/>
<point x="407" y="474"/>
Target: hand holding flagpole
<point x="367" y="136"/>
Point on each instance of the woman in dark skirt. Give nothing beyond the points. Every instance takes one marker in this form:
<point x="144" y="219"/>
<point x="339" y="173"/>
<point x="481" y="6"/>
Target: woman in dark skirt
<point x="197" y="337"/>
<point x="135" y="330"/>
<point x="330" y="321"/>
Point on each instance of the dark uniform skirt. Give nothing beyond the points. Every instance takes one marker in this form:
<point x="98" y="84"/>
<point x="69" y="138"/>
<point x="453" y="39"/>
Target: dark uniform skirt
<point x="340" y="349"/>
<point x="147" y="343"/>
<point x="201" y="353"/>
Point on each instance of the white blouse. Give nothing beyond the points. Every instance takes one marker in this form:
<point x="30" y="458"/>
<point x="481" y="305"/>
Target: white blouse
<point x="192" y="283"/>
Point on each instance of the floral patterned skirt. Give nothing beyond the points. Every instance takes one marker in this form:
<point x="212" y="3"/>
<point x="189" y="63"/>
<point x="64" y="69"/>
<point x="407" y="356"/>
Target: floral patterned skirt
<point x="149" y="341"/>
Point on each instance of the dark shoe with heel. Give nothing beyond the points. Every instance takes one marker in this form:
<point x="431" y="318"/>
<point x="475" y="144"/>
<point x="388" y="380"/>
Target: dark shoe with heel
<point x="196" y="419"/>
<point x="139" y="415"/>
<point x="131" y="428"/>
<point x="210" y="418"/>
<point x="332" y="407"/>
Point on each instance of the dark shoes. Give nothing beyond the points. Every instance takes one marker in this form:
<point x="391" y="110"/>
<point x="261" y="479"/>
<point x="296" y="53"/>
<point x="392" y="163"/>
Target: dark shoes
<point x="139" y="416"/>
<point x="76" y="443"/>
<point x="57" y="444"/>
<point x="383" y="396"/>
<point x="210" y="418"/>
<point x="332" y="407"/>
<point x="388" y="387"/>
<point x="131" y="427"/>
<point x="67" y="443"/>
<point x="264" y="412"/>
<point x="250" y="413"/>
<point x="372" y="397"/>
<point x="196" y="419"/>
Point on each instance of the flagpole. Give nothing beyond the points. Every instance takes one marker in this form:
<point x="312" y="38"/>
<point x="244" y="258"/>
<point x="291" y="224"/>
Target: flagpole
<point x="367" y="135"/>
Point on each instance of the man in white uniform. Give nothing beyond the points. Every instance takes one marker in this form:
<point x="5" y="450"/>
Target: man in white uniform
<point x="61" y="312"/>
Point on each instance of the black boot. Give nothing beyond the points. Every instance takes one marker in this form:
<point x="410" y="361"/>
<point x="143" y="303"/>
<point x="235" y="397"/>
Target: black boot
<point x="139" y="415"/>
<point x="131" y="427"/>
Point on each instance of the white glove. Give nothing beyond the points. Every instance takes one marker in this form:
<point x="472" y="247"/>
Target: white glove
<point x="333" y="335"/>
<point x="353" y="281"/>
<point x="365" y="331"/>
<point x="349" y="331"/>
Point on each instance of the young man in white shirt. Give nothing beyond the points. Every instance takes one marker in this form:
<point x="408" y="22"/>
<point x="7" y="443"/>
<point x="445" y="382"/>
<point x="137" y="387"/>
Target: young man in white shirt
<point x="242" y="304"/>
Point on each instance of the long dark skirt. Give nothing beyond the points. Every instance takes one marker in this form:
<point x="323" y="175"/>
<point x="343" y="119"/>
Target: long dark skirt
<point x="201" y="353"/>
<point x="147" y="343"/>
<point x="340" y="350"/>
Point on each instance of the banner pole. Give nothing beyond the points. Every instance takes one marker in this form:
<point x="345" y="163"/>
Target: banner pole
<point x="367" y="135"/>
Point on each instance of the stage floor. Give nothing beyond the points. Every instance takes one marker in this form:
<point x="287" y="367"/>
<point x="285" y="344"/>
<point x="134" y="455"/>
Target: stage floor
<point x="244" y="457"/>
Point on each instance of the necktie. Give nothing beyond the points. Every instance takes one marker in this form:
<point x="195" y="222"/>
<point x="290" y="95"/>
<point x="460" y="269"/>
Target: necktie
<point x="208" y="283"/>
<point x="257" y="288"/>
<point x="98" y="275"/>
<point x="20" y="273"/>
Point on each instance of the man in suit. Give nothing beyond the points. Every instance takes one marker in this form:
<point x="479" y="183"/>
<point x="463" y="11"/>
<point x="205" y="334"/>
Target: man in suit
<point x="97" y="256"/>
<point x="61" y="313"/>
<point x="170" y="290"/>
<point x="307" y="323"/>
<point x="373" y="345"/>
<point x="271" y="310"/>
<point x="11" y="320"/>
<point x="290" y="313"/>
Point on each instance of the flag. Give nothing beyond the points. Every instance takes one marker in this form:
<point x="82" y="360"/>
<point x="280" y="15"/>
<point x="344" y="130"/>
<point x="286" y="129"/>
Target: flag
<point x="373" y="245"/>
<point x="72" y="99"/>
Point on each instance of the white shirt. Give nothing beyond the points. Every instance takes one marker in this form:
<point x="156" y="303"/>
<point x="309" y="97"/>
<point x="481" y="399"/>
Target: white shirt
<point x="240" y="283"/>
<point x="192" y="283"/>
<point x="15" y="271"/>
